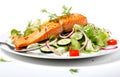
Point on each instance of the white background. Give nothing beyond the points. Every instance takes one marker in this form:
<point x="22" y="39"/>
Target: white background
<point x="17" y="13"/>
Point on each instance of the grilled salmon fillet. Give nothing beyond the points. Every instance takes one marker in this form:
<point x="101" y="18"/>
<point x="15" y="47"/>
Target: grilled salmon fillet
<point x="65" y="23"/>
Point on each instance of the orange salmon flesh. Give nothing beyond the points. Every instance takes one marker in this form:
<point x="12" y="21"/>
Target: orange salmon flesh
<point x="51" y="28"/>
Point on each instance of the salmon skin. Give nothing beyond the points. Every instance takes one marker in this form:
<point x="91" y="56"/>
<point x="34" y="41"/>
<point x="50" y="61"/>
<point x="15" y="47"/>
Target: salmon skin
<point x="65" y="23"/>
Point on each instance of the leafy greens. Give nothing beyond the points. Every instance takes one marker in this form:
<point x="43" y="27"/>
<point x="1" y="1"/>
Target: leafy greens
<point x="97" y="37"/>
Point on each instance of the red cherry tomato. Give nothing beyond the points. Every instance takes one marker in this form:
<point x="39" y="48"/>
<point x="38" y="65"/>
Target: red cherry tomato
<point x="74" y="53"/>
<point x="112" y="42"/>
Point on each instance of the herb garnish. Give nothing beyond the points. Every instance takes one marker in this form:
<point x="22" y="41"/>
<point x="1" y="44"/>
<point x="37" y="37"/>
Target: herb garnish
<point x="66" y="10"/>
<point x="32" y="27"/>
<point x="54" y="17"/>
<point x="51" y="15"/>
<point x="74" y="71"/>
<point x="3" y="60"/>
<point x="15" y="33"/>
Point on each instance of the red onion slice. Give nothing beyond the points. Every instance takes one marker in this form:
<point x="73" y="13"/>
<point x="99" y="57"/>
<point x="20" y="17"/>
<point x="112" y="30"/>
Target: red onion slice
<point x="53" y="41"/>
<point x="109" y="48"/>
<point x="48" y="46"/>
<point x="67" y="35"/>
<point x="86" y="40"/>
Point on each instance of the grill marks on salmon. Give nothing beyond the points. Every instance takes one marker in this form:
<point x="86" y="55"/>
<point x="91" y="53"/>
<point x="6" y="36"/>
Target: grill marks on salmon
<point x="65" y="23"/>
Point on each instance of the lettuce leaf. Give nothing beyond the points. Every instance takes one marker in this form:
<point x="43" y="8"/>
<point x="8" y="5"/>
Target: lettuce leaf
<point x="32" y="27"/>
<point x="15" y="33"/>
<point x="98" y="36"/>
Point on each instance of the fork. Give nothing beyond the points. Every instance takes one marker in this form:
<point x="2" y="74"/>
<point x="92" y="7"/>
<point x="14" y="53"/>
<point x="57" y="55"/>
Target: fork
<point x="22" y="50"/>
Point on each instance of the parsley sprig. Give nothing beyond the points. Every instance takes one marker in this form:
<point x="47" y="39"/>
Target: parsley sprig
<point x="53" y="16"/>
<point x="66" y="10"/>
<point x="15" y="33"/>
<point x="3" y="60"/>
<point x="74" y="71"/>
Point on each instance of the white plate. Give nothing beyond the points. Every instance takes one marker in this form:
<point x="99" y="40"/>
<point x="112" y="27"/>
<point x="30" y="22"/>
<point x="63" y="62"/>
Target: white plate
<point x="38" y="54"/>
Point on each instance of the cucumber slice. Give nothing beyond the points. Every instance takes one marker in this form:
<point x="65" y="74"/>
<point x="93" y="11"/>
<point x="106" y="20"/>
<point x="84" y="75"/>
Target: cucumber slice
<point x="77" y="35"/>
<point x="62" y="49"/>
<point x="44" y="49"/>
<point x="75" y="44"/>
<point x="64" y="42"/>
<point x="32" y="45"/>
<point x="55" y="45"/>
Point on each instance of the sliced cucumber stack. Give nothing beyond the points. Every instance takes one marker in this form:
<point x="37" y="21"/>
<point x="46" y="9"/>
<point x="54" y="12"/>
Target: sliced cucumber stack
<point x="44" y="49"/>
<point x="64" y="42"/>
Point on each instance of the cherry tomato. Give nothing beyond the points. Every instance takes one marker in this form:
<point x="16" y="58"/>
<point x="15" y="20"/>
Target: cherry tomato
<point x="112" y="42"/>
<point x="74" y="53"/>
